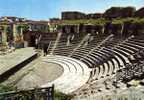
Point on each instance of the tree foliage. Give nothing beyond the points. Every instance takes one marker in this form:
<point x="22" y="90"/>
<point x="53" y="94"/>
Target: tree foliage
<point x="24" y="27"/>
<point x="84" y="21"/>
<point x="117" y="21"/>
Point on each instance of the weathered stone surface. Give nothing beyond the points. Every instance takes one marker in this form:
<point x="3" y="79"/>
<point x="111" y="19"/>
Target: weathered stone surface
<point x="12" y="59"/>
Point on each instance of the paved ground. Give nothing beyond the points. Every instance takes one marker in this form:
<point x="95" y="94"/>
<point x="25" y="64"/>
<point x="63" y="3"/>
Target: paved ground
<point x="42" y="73"/>
<point x="12" y="59"/>
<point x="35" y="74"/>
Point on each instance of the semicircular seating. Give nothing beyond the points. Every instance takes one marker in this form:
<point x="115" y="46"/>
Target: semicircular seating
<point x="128" y="47"/>
<point x="95" y="61"/>
<point x="120" y="56"/>
<point x="76" y="73"/>
<point x="105" y="65"/>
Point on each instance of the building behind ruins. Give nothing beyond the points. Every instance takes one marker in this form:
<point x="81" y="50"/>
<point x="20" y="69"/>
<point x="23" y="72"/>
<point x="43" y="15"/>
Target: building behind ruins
<point x="12" y="29"/>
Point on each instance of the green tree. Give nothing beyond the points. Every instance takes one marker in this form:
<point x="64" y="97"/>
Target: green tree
<point x="24" y="27"/>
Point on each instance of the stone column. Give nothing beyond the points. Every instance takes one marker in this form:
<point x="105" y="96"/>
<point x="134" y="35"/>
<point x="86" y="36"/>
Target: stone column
<point x="14" y="32"/>
<point x="4" y="35"/>
<point x="77" y="28"/>
<point x="21" y="34"/>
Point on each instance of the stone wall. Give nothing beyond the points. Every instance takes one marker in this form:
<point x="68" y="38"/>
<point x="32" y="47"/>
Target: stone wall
<point x="113" y="12"/>
<point x="93" y="29"/>
<point x="140" y="12"/>
<point x="94" y="16"/>
<point x="72" y="15"/>
<point x="125" y="29"/>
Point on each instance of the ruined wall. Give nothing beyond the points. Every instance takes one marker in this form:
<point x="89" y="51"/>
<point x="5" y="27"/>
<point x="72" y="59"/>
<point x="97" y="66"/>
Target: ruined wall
<point x="113" y="12"/>
<point x="139" y="13"/>
<point x="119" y="29"/>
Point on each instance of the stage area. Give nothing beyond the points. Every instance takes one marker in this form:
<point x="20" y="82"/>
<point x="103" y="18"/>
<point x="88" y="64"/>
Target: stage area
<point x="42" y="73"/>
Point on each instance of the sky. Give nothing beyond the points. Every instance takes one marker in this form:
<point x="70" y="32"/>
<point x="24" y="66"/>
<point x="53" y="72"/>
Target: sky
<point x="45" y="9"/>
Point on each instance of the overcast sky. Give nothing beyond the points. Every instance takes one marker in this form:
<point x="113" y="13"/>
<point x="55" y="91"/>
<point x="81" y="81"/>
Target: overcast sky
<point x="45" y="9"/>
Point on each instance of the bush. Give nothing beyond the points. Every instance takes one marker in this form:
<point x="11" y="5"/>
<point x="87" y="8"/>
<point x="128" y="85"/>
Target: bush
<point x="84" y="21"/>
<point x="62" y="96"/>
<point x="6" y="88"/>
